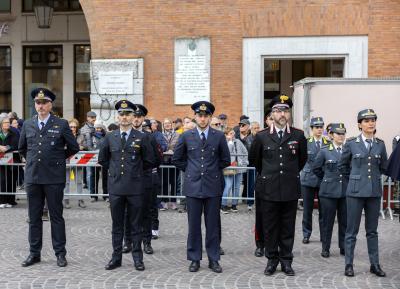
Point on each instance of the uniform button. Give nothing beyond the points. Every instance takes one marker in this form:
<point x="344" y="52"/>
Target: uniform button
<point x="122" y="150"/>
<point x="369" y="170"/>
<point x="369" y="158"/>
<point x="340" y="181"/>
<point x="369" y="177"/>
<point x="202" y="150"/>
<point x="122" y="173"/>
<point x="202" y="173"/>
<point x="281" y="172"/>
<point x="38" y="160"/>
<point x="369" y="164"/>
<point x="202" y="158"/>
<point x="202" y="166"/>
<point x="280" y="148"/>
<point x="340" y="176"/>
<point x="40" y="143"/>
<point x="40" y="135"/>
<point x="281" y="164"/>
<point x="280" y="156"/>
<point x="122" y="159"/>
<point x="122" y="166"/>
<point x="39" y="152"/>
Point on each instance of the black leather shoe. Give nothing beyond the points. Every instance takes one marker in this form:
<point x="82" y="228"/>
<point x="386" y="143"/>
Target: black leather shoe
<point x="113" y="264"/>
<point x="259" y="252"/>
<point x="30" y="261"/>
<point x="215" y="267"/>
<point x="287" y="269"/>
<point x="342" y="252"/>
<point x="61" y="261"/>
<point x="221" y="251"/>
<point x="139" y="265"/>
<point x="126" y="249"/>
<point x="147" y="248"/>
<point x="325" y="254"/>
<point x="194" y="266"/>
<point x="306" y="240"/>
<point x="348" y="271"/>
<point x="271" y="267"/>
<point x="376" y="269"/>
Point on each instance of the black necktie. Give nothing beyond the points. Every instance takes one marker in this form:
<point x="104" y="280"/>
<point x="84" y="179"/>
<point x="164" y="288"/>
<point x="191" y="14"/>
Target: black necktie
<point x="318" y="144"/>
<point x="41" y="125"/>
<point x="203" y="138"/>
<point x="369" y="142"/>
<point x="339" y="149"/>
<point x="123" y="139"/>
<point x="280" y="133"/>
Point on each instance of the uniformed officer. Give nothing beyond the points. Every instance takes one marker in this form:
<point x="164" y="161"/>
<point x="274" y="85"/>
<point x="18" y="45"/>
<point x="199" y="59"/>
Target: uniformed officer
<point x="278" y="154"/>
<point x="46" y="142"/>
<point x="150" y="178"/>
<point x="126" y="153"/>
<point x="364" y="159"/>
<point x="202" y="153"/>
<point x="309" y="181"/>
<point x="332" y="192"/>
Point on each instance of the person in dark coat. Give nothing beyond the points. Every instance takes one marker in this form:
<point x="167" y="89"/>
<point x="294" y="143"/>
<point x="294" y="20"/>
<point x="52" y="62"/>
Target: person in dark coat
<point x="126" y="153"/>
<point x="332" y="192"/>
<point x="8" y="173"/>
<point x="279" y="153"/>
<point x="202" y="153"/>
<point x="309" y="181"/>
<point x="364" y="160"/>
<point x="393" y="168"/>
<point x="46" y="142"/>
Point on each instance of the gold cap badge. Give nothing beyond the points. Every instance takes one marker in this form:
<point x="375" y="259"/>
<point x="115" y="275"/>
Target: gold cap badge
<point x="203" y="107"/>
<point x="124" y="105"/>
<point x="40" y="95"/>
<point x="284" y="98"/>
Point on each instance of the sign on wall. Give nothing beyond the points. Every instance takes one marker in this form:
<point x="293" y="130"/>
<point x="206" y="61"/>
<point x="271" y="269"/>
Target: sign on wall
<point x="116" y="82"/>
<point x="192" y="70"/>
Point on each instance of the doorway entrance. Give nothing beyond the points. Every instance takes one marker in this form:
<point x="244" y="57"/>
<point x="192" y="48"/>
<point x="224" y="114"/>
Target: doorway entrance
<point x="82" y="56"/>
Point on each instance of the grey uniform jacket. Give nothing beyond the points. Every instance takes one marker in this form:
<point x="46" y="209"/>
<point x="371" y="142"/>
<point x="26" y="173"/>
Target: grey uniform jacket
<point x="307" y="176"/>
<point x="46" y="150"/>
<point x="325" y="167"/>
<point x="126" y="164"/>
<point x="365" y="168"/>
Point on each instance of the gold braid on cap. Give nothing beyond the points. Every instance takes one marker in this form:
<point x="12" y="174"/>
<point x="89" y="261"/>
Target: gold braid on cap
<point x="40" y="94"/>
<point x="203" y="107"/>
<point x="284" y="98"/>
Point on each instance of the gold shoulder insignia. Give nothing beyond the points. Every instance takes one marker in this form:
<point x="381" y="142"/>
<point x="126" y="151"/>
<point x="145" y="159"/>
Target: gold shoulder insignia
<point x="331" y="147"/>
<point x="310" y="139"/>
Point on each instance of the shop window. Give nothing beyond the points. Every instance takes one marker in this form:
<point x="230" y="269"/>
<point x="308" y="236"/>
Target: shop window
<point x="59" y="5"/>
<point x="5" y="6"/>
<point x="5" y="79"/>
<point x="43" y="67"/>
<point x="82" y="81"/>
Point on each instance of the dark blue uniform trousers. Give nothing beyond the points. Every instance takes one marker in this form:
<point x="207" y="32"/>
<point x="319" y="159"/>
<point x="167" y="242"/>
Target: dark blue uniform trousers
<point x="54" y="194"/>
<point x="308" y="207"/>
<point x="329" y="207"/>
<point x="119" y="204"/>
<point x="371" y="208"/>
<point x="195" y="208"/>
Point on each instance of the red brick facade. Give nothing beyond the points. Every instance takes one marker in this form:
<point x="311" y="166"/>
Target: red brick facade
<point x="147" y="28"/>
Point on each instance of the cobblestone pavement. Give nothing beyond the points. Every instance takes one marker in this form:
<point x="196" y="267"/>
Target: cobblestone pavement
<point x="89" y="249"/>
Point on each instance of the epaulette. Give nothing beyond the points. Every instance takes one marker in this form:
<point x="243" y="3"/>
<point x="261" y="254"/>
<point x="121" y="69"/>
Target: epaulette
<point x="310" y="139"/>
<point x="352" y="138"/>
<point x="325" y="141"/>
<point x="379" y="140"/>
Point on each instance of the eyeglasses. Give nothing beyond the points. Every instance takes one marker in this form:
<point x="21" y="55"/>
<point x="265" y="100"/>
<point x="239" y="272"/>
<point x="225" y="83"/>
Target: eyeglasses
<point x="242" y="125"/>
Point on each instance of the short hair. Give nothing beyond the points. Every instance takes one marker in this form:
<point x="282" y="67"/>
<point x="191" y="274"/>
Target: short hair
<point x="74" y="120"/>
<point x="228" y="130"/>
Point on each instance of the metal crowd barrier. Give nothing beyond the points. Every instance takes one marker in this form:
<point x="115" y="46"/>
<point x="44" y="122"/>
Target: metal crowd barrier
<point x="168" y="181"/>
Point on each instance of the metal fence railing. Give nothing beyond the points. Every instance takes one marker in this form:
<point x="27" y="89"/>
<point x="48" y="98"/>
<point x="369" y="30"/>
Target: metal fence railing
<point x="85" y="178"/>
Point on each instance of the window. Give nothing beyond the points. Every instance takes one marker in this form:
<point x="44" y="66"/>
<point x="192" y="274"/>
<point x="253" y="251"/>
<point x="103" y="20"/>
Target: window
<point x="82" y="81"/>
<point x="59" y="5"/>
<point x="5" y="79"/>
<point x="5" y="6"/>
<point x="43" y="68"/>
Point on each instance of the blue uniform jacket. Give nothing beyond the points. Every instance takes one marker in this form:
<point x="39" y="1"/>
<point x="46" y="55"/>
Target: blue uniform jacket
<point x="202" y="165"/>
<point x="307" y="176"/>
<point x="365" y="168"/>
<point x="46" y="150"/>
<point x="325" y="167"/>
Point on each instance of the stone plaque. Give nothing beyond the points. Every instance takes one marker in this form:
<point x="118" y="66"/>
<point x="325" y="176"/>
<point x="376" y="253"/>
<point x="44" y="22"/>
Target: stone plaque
<point x="116" y="82"/>
<point x="192" y="70"/>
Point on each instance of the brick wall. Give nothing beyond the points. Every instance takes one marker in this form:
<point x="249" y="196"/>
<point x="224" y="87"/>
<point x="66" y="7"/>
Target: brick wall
<point x="147" y="28"/>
